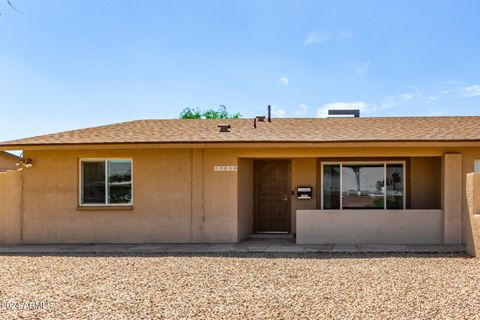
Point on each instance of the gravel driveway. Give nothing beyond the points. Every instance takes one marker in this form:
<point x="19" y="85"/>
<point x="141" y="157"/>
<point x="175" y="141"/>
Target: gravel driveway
<point x="241" y="286"/>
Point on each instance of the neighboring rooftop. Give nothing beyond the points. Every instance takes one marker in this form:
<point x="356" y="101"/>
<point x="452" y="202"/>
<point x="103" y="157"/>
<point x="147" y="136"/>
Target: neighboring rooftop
<point x="9" y="155"/>
<point x="279" y="130"/>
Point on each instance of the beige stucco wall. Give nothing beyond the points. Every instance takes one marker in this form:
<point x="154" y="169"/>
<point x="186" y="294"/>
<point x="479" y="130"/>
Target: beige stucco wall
<point x="304" y="173"/>
<point x="197" y="195"/>
<point x="452" y="197"/>
<point x="245" y="198"/>
<point x="178" y="197"/>
<point x="11" y="207"/>
<point x="468" y="156"/>
<point x="369" y="226"/>
<point x="425" y="182"/>
<point x="220" y="208"/>
<point x="473" y="221"/>
<point x="161" y="191"/>
<point x="7" y="162"/>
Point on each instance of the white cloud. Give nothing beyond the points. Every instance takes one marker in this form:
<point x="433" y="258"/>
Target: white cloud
<point x="416" y="91"/>
<point x="315" y="37"/>
<point x="284" y="80"/>
<point x="452" y="82"/>
<point x="322" y="112"/>
<point x="430" y="99"/>
<point x="388" y="102"/>
<point x="320" y="37"/>
<point x="458" y="89"/>
<point x="414" y="94"/>
<point x="471" y="91"/>
<point x="345" y="35"/>
<point x="435" y="113"/>
<point x="362" y="68"/>
<point x="302" y="110"/>
<point x="278" y="112"/>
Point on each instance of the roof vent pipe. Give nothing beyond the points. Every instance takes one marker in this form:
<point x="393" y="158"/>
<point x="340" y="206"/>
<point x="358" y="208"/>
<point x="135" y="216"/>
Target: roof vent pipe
<point x="224" y="127"/>
<point x="345" y="112"/>
<point x="269" y="113"/>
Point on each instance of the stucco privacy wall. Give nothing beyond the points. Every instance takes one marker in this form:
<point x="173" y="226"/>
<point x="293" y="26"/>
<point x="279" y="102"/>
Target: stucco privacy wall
<point x="369" y="226"/>
<point x="469" y="157"/>
<point x="7" y="162"/>
<point x="11" y="207"/>
<point x="473" y="221"/>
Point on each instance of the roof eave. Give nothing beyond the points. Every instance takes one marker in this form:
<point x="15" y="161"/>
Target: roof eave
<point x="243" y="144"/>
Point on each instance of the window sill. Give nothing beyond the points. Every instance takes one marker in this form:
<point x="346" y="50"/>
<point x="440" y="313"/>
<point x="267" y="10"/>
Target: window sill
<point x="104" y="208"/>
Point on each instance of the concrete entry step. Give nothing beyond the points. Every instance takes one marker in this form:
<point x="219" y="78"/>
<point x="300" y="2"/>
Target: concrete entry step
<point x="268" y="235"/>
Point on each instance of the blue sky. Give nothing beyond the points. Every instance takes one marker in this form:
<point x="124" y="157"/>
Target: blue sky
<point x="80" y="63"/>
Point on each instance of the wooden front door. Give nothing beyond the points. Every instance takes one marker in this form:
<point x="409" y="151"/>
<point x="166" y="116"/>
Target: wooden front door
<point x="272" y="196"/>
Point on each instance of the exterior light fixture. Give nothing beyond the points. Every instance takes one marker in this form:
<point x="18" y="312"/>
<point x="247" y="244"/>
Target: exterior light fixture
<point x="26" y="163"/>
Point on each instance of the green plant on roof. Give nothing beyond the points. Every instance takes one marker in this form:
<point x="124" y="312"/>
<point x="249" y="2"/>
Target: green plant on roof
<point x="220" y="113"/>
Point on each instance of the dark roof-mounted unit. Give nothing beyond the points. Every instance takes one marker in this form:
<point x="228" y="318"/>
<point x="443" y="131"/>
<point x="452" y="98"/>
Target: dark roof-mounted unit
<point x="345" y="112"/>
<point x="224" y="127"/>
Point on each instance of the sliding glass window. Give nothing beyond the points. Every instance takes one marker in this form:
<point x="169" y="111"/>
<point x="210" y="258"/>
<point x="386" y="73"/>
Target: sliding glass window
<point x="348" y="185"/>
<point x="395" y="186"/>
<point x="331" y="186"/>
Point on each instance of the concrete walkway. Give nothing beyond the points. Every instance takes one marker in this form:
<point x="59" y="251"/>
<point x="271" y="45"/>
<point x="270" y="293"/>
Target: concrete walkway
<point x="251" y="245"/>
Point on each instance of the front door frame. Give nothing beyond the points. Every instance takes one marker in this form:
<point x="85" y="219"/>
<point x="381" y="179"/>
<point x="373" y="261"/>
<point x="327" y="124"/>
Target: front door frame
<point x="289" y="193"/>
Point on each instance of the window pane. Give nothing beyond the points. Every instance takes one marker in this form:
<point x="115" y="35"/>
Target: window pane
<point x="93" y="182"/>
<point x="363" y="186"/>
<point x="120" y="181"/>
<point x="331" y="187"/>
<point x="395" y="186"/>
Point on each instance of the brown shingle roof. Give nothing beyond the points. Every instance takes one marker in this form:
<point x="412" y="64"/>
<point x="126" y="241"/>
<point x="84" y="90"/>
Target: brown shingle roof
<point x="279" y="130"/>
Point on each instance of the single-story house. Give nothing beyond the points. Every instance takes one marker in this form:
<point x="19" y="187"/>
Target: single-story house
<point x="8" y="161"/>
<point x="385" y="180"/>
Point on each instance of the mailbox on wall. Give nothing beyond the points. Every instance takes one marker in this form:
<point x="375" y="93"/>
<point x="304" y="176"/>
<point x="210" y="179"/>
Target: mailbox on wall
<point x="304" y="193"/>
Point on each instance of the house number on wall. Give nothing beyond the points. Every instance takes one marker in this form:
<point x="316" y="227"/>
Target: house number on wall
<point x="225" y="168"/>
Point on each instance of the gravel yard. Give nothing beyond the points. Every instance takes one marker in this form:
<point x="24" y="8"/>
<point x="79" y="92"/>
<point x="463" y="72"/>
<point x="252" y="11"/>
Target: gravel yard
<point x="243" y="286"/>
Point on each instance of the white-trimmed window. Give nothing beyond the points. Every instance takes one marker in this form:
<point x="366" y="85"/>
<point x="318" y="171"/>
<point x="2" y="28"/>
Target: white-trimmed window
<point x="361" y="185"/>
<point x="105" y="182"/>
